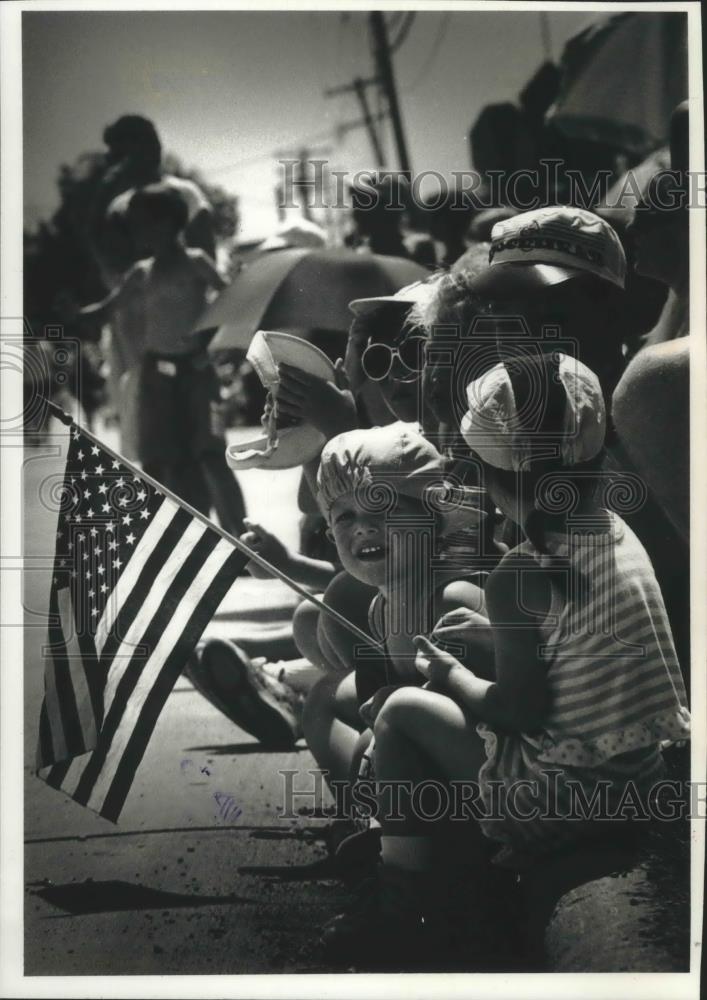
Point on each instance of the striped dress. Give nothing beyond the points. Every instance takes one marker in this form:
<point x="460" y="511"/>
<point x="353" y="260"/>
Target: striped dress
<point x="616" y="696"/>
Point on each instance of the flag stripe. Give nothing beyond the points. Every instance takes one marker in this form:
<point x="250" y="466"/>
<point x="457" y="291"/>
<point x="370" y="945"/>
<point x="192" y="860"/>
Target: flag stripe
<point x="134" y="645"/>
<point x="77" y="670"/>
<point x="73" y="772"/>
<point x="148" y="584"/>
<point x="64" y="722"/>
<point x="57" y="773"/>
<point x="45" y="748"/>
<point x="157" y="695"/>
<point x="206" y="565"/>
<point x="130" y="676"/>
<point x="126" y="581"/>
<point x="93" y="671"/>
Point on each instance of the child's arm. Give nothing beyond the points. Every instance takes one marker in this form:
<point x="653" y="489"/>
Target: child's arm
<point x="316" y="573"/>
<point x="207" y="270"/>
<point x="102" y="311"/>
<point x="517" y="700"/>
<point x="462" y="618"/>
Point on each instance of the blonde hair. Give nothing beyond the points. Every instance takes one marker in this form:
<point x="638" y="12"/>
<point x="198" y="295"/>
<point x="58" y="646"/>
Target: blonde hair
<point x="453" y="303"/>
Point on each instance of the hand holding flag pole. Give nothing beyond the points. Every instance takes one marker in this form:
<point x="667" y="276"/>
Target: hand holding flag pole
<point x="65" y="418"/>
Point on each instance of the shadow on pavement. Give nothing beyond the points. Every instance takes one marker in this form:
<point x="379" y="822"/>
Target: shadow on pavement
<point x="114" y="895"/>
<point x="224" y="749"/>
<point x="325" y="868"/>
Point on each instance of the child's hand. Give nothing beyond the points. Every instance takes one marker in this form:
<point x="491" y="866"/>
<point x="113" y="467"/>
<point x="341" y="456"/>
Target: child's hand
<point x="267" y="546"/>
<point x="434" y="663"/>
<point x="473" y="631"/>
<point x="306" y="398"/>
<point x="370" y="709"/>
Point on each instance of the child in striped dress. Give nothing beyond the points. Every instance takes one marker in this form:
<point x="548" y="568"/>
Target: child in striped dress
<point x="587" y="686"/>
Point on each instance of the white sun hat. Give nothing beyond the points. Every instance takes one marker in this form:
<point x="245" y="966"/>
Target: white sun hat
<point x="281" y="447"/>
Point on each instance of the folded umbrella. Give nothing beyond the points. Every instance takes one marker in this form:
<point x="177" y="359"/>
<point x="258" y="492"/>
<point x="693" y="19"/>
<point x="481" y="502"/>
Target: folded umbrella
<point x="301" y="289"/>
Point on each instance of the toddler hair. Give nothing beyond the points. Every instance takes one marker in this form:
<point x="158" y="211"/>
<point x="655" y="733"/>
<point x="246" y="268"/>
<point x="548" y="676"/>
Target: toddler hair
<point x="159" y="202"/>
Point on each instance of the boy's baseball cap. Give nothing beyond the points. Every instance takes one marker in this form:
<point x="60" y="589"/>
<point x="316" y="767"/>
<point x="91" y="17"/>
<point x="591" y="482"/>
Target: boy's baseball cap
<point x="378" y="463"/>
<point x="492" y="427"/>
<point x="419" y="292"/>
<point x="538" y="249"/>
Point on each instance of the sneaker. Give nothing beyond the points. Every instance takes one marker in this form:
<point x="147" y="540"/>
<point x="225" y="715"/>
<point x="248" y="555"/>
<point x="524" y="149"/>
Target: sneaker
<point x="359" y="851"/>
<point x="384" y="926"/>
<point x="261" y="705"/>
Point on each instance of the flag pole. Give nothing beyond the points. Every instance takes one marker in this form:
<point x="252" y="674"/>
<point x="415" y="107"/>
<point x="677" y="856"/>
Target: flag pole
<point x="68" y="420"/>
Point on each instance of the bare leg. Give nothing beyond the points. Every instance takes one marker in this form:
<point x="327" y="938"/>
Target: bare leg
<point x="353" y="599"/>
<point x="332" y="725"/>
<point x="424" y="736"/>
<point x="300" y="675"/>
<point x="306" y="633"/>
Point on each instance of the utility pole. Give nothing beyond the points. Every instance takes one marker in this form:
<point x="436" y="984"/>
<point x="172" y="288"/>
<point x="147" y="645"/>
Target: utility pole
<point x="358" y="86"/>
<point x="301" y="181"/>
<point x="381" y="51"/>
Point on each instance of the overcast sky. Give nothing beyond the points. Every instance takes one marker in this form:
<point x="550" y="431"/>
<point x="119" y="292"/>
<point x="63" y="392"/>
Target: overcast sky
<point x="228" y="89"/>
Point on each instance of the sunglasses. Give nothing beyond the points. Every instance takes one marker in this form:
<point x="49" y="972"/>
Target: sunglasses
<point x="377" y="359"/>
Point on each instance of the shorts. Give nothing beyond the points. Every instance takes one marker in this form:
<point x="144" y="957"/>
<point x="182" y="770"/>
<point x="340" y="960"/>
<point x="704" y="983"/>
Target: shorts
<point x="178" y="416"/>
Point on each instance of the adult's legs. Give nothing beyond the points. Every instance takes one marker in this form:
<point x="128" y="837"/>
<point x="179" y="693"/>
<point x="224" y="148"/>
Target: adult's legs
<point x="224" y="491"/>
<point x="184" y="479"/>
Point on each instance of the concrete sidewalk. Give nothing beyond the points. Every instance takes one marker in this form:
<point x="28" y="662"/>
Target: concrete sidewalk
<point x="200" y="876"/>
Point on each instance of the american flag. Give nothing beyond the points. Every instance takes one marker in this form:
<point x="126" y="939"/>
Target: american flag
<point x="136" y="579"/>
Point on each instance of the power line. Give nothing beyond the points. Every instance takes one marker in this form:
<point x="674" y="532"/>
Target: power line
<point x="442" y="27"/>
<point x="334" y="133"/>
<point x="403" y="32"/>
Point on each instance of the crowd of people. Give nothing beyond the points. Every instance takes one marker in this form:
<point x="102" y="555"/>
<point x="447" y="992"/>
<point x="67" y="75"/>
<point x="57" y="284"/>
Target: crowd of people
<point x="509" y="524"/>
<point x="514" y="539"/>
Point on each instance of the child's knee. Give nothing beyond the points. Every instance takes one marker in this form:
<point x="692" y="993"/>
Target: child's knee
<point x="404" y="708"/>
<point x="304" y="631"/>
<point x="351" y="598"/>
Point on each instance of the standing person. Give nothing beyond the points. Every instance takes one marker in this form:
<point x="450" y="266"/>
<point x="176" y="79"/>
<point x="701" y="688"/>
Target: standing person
<point x="177" y="440"/>
<point x="584" y="707"/>
<point x="378" y="211"/>
<point x="134" y="158"/>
